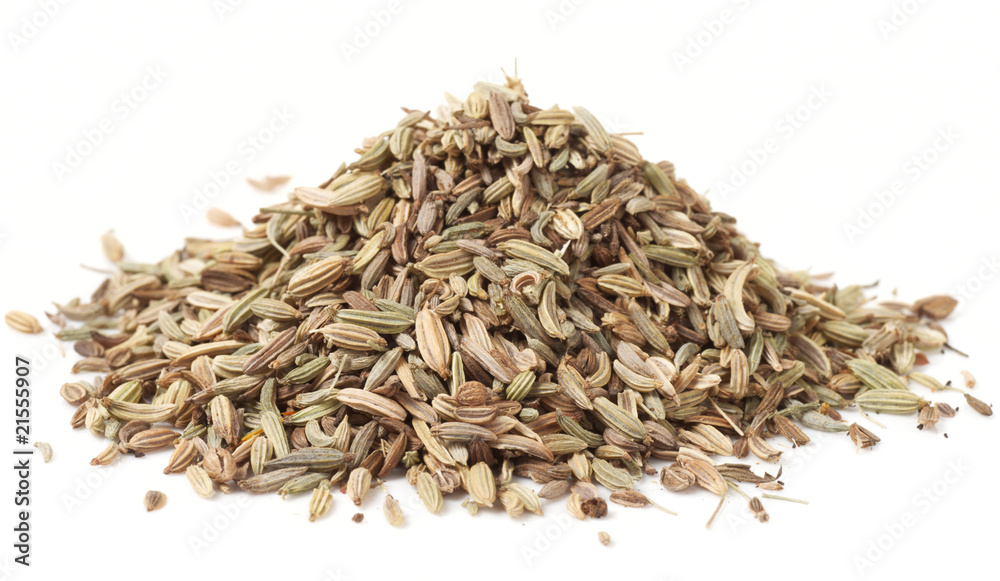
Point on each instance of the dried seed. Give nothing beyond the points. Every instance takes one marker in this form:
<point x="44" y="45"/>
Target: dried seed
<point x="22" y="322"/>
<point x="757" y="508"/>
<point x="429" y="493"/>
<point x="221" y="218"/>
<point x="271" y="481"/>
<point x="862" y="437"/>
<point x="433" y="342"/>
<point x="320" y="502"/>
<point x="200" y="481"/>
<point x="112" y="247"/>
<point x="890" y="401"/>
<point x="393" y="512"/>
<point x="46" y="449"/>
<point x="358" y="485"/>
<point x="268" y="183"/>
<point x="154" y="500"/>
<point x="481" y="485"/>
<point x="979" y="405"/>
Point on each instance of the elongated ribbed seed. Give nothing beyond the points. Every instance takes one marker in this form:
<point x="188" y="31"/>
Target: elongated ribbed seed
<point x="271" y="481"/>
<point x="22" y="322"/>
<point x="890" y="401"/>
<point x="874" y="375"/>
<point x="619" y="419"/>
<point x="318" y="459"/>
<point x="200" y="481"/>
<point x="320" y="502"/>
<point x="271" y="424"/>
<point x="358" y="485"/>
<point x="429" y="493"/>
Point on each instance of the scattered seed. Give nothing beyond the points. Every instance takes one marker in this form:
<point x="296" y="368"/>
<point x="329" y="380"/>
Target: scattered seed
<point x="154" y="500"/>
<point x="22" y="322"/>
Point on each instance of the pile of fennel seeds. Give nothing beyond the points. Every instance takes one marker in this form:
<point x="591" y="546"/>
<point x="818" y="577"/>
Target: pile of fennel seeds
<point x="494" y="291"/>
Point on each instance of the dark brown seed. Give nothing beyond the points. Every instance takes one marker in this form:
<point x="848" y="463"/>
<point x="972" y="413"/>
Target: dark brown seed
<point x="595" y="508"/>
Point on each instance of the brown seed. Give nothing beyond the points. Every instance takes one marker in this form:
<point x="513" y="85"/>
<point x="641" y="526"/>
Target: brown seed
<point x="183" y="455"/>
<point x="758" y="510"/>
<point x="935" y="307"/>
<point x="152" y="439"/>
<point x="862" y="437"/>
<point x="154" y="500"/>
<point x="501" y="116"/>
<point x="200" y="481"/>
<point x="979" y="405"/>
<point x="74" y="393"/>
<point x="594" y="508"/>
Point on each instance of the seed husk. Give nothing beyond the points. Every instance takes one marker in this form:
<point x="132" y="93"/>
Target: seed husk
<point x="393" y="512"/>
<point x="862" y="437"/>
<point x="46" y="449"/>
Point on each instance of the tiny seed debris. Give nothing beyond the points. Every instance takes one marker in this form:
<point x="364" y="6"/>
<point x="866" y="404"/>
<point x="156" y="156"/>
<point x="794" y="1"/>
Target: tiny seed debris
<point x="46" y="449"/>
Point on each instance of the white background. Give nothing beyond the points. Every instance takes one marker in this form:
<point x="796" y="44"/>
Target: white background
<point x="707" y="83"/>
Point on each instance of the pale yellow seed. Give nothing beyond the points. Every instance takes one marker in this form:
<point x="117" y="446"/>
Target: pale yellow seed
<point x="22" y="322"/>
<point x="393" y="512"/>
<point x="200" y="481"/>
<point x="429" y="492"/>
<point x="112" y="247"/>
<point x="46" y="449"/>
<point x="221" y="218"/>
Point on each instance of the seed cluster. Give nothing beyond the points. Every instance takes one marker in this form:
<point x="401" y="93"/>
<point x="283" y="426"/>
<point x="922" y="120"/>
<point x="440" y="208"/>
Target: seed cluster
<point x="495" y="291"/>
